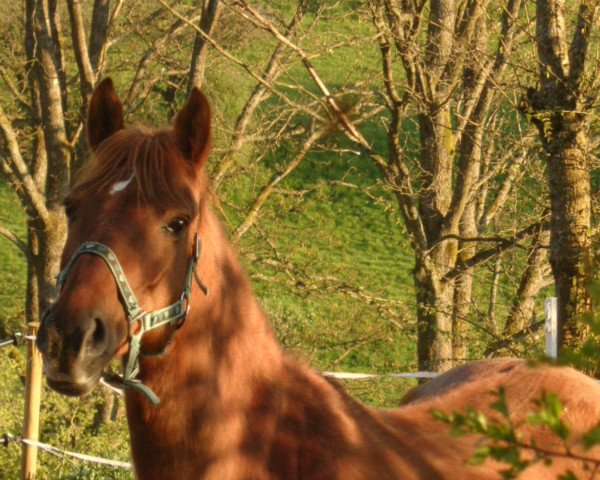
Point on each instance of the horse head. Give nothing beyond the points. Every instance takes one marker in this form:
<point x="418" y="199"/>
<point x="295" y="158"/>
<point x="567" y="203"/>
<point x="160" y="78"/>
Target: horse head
<point x="131" y="246"/>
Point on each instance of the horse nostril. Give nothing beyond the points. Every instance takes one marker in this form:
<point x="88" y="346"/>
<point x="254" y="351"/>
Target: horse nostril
<point x="41" y="341"/>
<point x="42" y="338"/>
<point x="97" y="339"/>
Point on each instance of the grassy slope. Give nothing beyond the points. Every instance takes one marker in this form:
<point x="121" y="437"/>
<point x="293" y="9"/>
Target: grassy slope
<point x="12" y="281"/>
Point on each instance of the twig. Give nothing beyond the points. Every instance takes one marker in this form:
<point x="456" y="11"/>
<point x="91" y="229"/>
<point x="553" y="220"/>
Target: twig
<point x="16" y="241"/>
<point x="241" y="63"/>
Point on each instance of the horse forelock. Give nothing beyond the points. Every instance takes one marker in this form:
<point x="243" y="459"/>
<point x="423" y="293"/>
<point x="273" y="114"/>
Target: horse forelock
<point x="148" y="161"/>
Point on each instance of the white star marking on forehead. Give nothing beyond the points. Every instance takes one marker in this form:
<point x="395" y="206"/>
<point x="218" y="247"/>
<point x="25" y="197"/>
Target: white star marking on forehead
<point x="120" y="185"/>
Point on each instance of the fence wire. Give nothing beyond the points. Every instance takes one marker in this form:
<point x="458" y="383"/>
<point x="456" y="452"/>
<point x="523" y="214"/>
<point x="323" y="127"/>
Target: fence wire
<point x="9" y="438"/>
<point x="16" y="339"/>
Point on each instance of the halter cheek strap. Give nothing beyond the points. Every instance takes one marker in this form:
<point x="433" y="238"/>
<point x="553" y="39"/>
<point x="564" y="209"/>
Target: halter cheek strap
<point x="173" y="315"/>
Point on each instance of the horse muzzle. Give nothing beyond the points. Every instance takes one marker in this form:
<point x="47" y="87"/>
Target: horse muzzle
<point x="74" y="357"/>
<point x="72" y="388"/>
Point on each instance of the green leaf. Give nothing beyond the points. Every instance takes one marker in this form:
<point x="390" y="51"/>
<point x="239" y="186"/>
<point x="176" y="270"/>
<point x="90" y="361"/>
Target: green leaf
<point x="569" y="475"/>
<point x="500" y="404"/>
<point x="592" y="437"/>
<point x="480" y="456"/>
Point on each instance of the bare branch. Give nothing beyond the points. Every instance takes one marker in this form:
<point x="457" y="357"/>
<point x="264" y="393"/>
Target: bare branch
<point x="259" y="94"/>
<point x="99" y="31"/>
<point x="501" y="197"/>
<point x="140" y="85"/>
<point x="502" y="246"/>
<point x="15" y="167"/>
<point x="306" y="284"/>
<point x="255" y="17"/>
<point x="56" y="51"/>
<point x="80" y="48"/>
<point x="532" y="332"/>
<point x="52" y="101"/>
<point x="552" y="42"/>
<point x="267" y="190"/>
<point x="242" y="64"/>
<point x="14" y="91"/>
<point x="588" y="10"/>
<point x="16" y="241"/>
<point x="397" y="170"/>
<point x="532" y="281"/>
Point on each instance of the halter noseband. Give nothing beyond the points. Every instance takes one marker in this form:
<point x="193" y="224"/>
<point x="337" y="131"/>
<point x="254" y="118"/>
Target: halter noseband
<point x="174" y="314"/>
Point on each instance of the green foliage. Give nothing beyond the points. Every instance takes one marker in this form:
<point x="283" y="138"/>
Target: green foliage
<point x="503" y="441"/>
<point x="548" y="414"/>
<point x="592" y="438"/>
<point x="587" y="355"/>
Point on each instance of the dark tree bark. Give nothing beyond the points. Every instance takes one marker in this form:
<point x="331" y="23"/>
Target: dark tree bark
<point x="99" y="34"/>
<point x="210" y="14"/>
<point x="559" y="107"/>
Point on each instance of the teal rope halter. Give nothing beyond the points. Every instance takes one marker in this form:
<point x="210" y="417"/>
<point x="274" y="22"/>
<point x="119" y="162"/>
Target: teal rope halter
<point x="174" y="314"/>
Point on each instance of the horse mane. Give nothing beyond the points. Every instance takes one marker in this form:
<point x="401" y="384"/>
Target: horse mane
<point x="151" y="159"/>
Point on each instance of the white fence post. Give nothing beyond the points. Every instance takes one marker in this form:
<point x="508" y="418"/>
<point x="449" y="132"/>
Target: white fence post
<point x="550" y="307"/>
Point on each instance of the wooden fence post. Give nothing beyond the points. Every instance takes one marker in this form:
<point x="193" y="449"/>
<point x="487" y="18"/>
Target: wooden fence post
<point x="33" y="390"/>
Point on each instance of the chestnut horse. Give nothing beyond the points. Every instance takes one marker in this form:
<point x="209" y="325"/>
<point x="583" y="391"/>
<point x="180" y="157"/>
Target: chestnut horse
<point x="211" y="393"/>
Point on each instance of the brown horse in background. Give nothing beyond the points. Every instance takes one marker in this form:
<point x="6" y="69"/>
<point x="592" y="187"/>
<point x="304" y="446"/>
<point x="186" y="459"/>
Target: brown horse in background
<point x="233" y="405"/>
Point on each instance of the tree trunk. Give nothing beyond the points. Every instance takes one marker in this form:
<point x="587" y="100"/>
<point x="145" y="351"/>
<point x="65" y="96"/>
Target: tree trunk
<point x="51" y="242"/>
<point x="210" y="14"/>
<point x="463" y="288"/>
<point x="104" y="411"/>
<point x="98" y="33"/>
<point x="435" y="297"/>
<point x="32" y="297"/>
<point x="523" y="307"/>
<point x="434" y="321"/>
<point x="52" y="229"/>
<point x="570" y="243"/>
<point x="560" y="109"/>
<point x="490" y="323"/>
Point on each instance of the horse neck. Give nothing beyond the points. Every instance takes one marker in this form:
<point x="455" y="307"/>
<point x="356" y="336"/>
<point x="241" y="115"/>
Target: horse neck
<point x="228" y="322"/>
<point x="223" y="352"/>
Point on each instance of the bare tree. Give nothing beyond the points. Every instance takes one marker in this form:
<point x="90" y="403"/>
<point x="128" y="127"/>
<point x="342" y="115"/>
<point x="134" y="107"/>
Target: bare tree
<point x="446" y="183"/>
<point x="561" y="107"/>
<point x="452" y="84"/>
<point x="40" y="170"/>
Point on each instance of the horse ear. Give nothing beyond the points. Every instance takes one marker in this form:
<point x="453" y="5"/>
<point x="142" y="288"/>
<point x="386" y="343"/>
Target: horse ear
<point x="191" y="128"/>
<point x="105" y="114"/>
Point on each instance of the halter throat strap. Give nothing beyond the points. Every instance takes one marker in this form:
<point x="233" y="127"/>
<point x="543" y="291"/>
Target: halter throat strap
<point x="172" y="315"/>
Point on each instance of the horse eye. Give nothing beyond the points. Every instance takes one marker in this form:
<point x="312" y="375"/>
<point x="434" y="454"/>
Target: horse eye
<point x="177" y="226"/>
